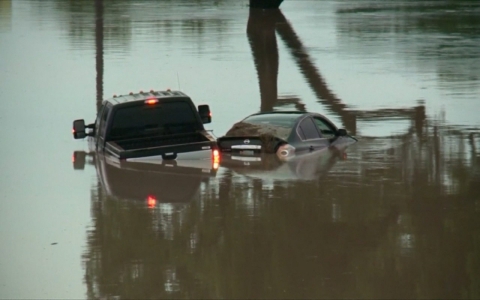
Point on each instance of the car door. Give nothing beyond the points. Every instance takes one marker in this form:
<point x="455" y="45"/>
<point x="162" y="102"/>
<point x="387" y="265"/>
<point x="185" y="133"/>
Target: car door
<point x="310" y="135"/>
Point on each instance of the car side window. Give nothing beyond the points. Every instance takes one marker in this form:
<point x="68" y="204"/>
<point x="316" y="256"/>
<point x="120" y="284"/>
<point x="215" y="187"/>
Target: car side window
<point x="103" y="120"/>
<point x="309" y="129"/>
<point x="324" y="127"/>
<point x="99" y="118"/>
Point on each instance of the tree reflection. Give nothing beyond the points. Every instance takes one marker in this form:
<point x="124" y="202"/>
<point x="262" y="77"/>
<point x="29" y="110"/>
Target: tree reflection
<point x="122" y="17"/>
<point x="5" y="15"/>
<point x="440" y="34"/>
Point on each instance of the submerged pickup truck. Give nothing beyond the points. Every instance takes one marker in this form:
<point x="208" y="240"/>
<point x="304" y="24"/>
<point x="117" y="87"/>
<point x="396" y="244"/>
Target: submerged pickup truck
<point x="150" y="127"/>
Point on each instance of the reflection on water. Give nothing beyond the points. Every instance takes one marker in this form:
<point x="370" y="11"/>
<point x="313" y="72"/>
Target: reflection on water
<point x="397" y="218"/>
<point x="261" y="28"/>
<point x="438" y="35"/>
<point x="5" y="15"/>
<point x="394" y="216"/>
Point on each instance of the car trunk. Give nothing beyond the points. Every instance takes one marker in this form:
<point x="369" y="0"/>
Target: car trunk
<point x="246" y="138"/>
<point x="250" y="145"/>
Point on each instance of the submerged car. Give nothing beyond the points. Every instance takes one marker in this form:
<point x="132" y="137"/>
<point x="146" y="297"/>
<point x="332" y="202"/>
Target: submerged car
<point x="286" y="134"/>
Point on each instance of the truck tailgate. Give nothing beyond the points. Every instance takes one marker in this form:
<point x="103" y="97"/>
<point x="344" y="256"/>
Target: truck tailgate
<point x="160" y="145"/>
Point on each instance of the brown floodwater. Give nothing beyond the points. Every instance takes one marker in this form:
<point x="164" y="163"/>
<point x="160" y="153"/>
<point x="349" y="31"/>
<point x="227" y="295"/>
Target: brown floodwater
<point x="394" y="216"/>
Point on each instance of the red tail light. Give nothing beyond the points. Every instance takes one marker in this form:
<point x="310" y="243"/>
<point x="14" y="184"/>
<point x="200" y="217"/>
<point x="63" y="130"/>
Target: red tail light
<point x="215" y="158"/>
<point x="151" y="201"/>
<point x="216" y="155"/>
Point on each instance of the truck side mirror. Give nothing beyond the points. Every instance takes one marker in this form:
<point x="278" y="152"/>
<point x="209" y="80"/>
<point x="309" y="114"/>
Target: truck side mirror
<point x="79" y="160"/>
<point x="341" y="132"/>
<point x="205" y="114"/>
<point x="79" y="129"/>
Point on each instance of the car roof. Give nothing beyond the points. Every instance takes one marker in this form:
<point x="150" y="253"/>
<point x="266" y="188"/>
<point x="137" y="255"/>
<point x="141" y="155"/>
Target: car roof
<point x="141" y="96"/>
<point x="291" y="115"/>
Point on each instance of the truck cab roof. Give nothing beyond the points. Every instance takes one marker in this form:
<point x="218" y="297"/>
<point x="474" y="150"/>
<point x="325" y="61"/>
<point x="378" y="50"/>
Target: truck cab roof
<point x="142" y="96"/>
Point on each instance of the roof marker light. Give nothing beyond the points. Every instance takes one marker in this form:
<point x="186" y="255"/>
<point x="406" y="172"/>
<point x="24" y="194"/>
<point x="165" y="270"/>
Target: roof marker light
<point x="151" y="101"/>
<point x="131" y="93"/>
<point x="151" y="91"/>
<point x="151" y="201"/>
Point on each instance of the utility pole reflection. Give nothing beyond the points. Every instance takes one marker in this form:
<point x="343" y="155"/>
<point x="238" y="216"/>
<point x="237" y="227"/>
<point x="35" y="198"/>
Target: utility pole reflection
<point x="99" y="12"/>
<point x="261" y="32"/>
<point x="263" y="43"/>
<point x="265" y="4"/>
<point x="262" y="26"/>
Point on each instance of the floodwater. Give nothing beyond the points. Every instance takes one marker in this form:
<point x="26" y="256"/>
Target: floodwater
<point x="395" y="216"/>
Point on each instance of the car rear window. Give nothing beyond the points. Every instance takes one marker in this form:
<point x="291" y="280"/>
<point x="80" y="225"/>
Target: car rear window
<point x="147" y="120"/>
<point x="278" y="125"/>
<point x="282" y="120"/>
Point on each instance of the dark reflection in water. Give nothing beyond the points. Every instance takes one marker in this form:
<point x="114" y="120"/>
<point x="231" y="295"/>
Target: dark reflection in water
<point x="443" y="35"/>
<point x="261" y="28"/>
<point x="139" y="211"/>
<point x="161" y="19"/>
<point x="99" y="28"/>
<point x="399" y="218"/>
<point x="394" y="217"/>
<point x="5" y="15"/>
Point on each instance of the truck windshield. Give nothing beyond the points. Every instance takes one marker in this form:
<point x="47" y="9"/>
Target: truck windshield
<point x="151" y="120"/>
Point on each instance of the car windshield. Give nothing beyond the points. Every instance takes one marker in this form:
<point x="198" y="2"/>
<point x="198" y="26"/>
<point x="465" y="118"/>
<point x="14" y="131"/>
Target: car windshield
<point x="148" y="120"/>
<point x="279" y="125"/>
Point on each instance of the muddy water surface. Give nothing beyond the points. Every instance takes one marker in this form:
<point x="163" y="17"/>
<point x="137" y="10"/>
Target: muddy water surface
<point x="394" y="216"/>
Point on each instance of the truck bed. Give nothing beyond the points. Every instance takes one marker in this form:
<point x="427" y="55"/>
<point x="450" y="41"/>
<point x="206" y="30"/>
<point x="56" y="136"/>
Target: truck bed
<point x="159" y="145"/>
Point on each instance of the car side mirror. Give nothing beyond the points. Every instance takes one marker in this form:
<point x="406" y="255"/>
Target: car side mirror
<point x="341" y="132"/>
<point x="205" y="114"/>
<point x="79" y="129"/>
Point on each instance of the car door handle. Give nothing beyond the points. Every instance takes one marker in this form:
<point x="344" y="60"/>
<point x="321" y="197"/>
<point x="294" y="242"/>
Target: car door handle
<point x="311" y="147"/>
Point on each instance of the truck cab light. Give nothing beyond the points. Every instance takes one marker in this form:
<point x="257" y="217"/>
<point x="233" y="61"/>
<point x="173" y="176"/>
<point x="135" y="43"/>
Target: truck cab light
<point x="151" y="101"/>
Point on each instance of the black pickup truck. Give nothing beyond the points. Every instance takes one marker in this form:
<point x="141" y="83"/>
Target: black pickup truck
<point x="150" y="127"/>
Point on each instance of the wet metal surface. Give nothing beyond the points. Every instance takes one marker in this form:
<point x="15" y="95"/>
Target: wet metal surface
<point x="395" y="215"/>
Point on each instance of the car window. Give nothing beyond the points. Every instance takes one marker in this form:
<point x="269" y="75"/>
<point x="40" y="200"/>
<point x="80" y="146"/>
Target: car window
<point x="277" y="119"/>
<point x="309" y="129"/>
<point x="103" y="120"/>
<point x="324" y="127"/>
<point x="163" y="118"/>
<point x="99" y="118"/>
